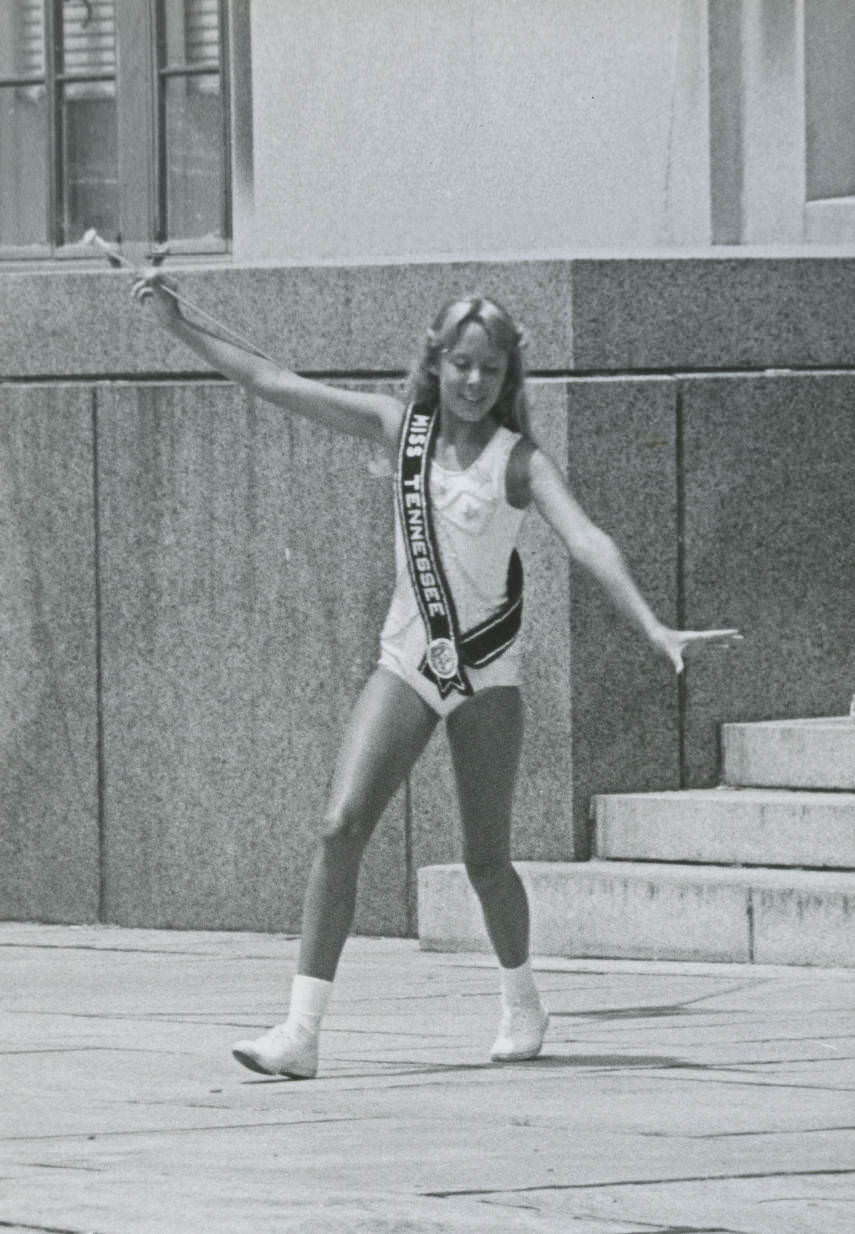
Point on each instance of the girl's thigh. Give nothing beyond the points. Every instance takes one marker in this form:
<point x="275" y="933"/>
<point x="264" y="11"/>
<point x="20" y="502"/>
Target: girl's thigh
<point x="485" y="736"/>
<point x="386" y="732"/>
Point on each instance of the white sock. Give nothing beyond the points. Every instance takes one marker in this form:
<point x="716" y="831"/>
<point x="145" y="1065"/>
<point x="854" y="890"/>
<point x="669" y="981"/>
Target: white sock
<point x="309" y="998"/>
<point x="518" y="988"/>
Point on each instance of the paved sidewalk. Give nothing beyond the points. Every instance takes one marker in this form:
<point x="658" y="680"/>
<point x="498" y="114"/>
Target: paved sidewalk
<point x="670" y="1098"/>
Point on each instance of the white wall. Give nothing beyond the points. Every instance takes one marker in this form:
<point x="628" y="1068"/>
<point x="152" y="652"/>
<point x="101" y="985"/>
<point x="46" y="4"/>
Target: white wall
<point x="399" y="128"/>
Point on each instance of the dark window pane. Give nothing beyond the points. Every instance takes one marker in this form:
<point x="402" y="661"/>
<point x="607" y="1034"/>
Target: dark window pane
<point x="88" y="124"/>
<point x="23" y="165"/>
<point x="24" y="174"/>
<point x="194" y="156"/>
<point x="90" y="165"/>
<point x="830" y="98"/>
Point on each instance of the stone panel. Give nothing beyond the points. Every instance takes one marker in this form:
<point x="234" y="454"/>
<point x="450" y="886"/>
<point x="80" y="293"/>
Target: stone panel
<point x="602" y="712"/>
<point x="721" y="309"/>
<point x="48" y="669"/>
<point x="622" y="468"/>
<point x="246" y="566"/>
<point x="345" y="319"/>
<point x="768" y="548"/>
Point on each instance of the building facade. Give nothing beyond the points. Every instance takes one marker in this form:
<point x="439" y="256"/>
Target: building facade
<point x="312" y="130"/>
<point x="192" y="585"/>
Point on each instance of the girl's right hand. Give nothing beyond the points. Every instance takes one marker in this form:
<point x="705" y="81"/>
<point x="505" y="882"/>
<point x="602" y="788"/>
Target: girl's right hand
<point x="162" y="291"/>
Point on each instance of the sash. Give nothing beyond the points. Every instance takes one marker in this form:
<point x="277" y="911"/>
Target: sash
<point x="447" y="650"/>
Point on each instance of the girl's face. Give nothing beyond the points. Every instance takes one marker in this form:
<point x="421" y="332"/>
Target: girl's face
<point x="471" y="374"/>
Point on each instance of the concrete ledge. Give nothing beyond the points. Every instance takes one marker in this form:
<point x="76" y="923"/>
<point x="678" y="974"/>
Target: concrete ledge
<point x="816" y="753"/>
<point x="598" y="909"/>
<point x="626" y="910"/>
<point x="711" y="310"/>
<point x="759" y="827"/>
<point x="805" y="922"/>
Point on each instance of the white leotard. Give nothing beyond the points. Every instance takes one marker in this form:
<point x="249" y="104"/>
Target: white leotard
<point x="476" y="529"/>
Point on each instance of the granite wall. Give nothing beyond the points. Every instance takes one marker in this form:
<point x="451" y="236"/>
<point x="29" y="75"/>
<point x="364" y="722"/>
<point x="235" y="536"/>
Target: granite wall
<point x="50" y="813"/>
<point x="192" y="583"/>
<point x="241" y="582"/>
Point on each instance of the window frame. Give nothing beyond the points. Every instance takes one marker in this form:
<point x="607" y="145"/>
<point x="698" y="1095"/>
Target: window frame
<point x="140" y="135"/>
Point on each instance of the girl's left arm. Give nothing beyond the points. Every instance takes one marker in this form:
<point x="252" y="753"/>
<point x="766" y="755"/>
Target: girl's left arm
<point x="597" y="552"/>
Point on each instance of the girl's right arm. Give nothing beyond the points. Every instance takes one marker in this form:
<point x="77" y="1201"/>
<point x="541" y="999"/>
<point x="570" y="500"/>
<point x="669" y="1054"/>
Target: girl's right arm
<point x="376" y="417"/>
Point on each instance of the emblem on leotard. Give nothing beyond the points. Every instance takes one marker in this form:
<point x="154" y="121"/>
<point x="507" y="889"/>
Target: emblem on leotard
<point x="442" y="657"/>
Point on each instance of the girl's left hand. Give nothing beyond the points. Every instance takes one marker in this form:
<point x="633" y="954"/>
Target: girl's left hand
<point x="674" y="643"/>
<point x="152" y="284"/>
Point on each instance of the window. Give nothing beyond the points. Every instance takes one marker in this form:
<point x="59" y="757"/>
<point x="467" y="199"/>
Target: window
<point x="114" y="114"/>
<point x="830" y="134"/>
<point x="782" y="140"/>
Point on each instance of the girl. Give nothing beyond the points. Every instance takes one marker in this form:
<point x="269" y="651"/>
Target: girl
<point x="467" y="470"/>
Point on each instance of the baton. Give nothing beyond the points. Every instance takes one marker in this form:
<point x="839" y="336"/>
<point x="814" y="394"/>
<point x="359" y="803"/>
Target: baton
<point x="117" y="259"/>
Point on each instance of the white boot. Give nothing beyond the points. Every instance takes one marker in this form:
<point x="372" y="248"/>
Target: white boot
<point x="291" y="1048"/>
<point x="282" y="1050"/>
<point x="524" y="1017"/>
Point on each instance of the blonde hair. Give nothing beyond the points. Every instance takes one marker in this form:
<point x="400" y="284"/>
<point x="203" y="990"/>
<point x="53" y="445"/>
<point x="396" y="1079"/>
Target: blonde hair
<point x="511" y="407"/>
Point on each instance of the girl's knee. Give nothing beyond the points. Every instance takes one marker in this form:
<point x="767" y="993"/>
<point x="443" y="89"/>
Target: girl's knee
<point x="486" y="873"/>
<point x="344" y="827"/>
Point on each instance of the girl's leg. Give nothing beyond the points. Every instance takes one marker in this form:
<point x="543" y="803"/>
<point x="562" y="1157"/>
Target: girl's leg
<point x="485" y="735"/>
<point x="388" y="729"/>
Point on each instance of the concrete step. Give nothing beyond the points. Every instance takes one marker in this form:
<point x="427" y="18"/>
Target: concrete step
<point x="640" y="910"/>
<point x="791" y="753"/>
<point x="731" y="826"/>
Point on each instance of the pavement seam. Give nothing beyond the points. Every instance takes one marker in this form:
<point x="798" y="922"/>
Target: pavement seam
<point x="637" y="1182"/>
